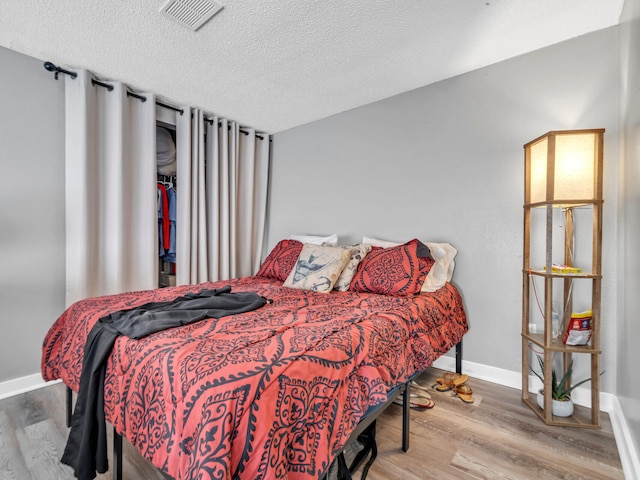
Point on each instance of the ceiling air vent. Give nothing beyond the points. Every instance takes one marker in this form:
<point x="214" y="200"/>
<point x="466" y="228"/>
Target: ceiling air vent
<point x="190" y="13"/>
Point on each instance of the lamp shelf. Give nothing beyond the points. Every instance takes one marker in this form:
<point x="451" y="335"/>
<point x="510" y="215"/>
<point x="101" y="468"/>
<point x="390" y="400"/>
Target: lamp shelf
<point x="563" y="203"/>
<point x="558" y="346"/>
<point x="544" y="273"/>
<point x="563" y="170"/>
<point x="581" y="417"/>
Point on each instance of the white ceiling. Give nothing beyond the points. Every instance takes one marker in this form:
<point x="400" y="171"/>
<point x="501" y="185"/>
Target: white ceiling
<point x="273" y="65"/>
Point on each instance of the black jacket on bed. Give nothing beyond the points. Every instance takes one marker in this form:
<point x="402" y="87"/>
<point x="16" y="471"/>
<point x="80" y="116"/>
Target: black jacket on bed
<point x="86" y="449"/>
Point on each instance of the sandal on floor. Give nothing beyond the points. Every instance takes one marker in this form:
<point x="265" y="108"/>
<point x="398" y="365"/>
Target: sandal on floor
<point x="443" y="387"/>
<point x="416" y="401"/>
<point x="420" y="402"/>
<point x="449" y="381"/>
<point x="421" y="389"/>
<point x="442" y="383"/>
<point x="464" y="393"/>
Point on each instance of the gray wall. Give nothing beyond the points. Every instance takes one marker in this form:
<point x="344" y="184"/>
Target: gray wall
<point x="629" y="261"/>
<point x="31" y="210"/>
<point x="445" y="163"/>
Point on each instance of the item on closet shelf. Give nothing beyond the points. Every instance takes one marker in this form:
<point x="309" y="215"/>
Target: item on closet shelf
<point x="163" y="219"/>
<point x="167" y="280"/>
<point x="167" y="217"/>
<point x="170" y="253"/>
<point x="165" y="152"/>
<point x="579" y="329"/>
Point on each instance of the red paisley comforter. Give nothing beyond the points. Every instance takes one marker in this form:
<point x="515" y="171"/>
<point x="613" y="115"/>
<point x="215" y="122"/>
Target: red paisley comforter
<point x="272" y="393"/>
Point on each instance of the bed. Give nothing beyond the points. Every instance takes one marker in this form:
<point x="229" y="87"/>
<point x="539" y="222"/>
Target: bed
<point x="271" y="393"/>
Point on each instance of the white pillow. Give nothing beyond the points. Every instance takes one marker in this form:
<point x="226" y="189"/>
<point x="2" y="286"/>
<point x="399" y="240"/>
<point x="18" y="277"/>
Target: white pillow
<point x="316" y="239"/>
<point x="441" y="271"/>
<point x="376" y="242"/>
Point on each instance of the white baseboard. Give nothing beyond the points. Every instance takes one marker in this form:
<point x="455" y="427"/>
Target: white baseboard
<point x="482" y="372"/>
<point x="628" y="454"/>
<point x="609" y="403"/>
<point x="581" y="395"/>
<point x="22" y="385"/>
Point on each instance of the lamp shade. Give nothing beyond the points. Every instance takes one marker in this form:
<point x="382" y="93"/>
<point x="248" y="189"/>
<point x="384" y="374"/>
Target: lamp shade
<point x="564" y="168"/>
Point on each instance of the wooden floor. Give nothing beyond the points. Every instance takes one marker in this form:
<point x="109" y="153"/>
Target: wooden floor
<point x="497" y="437"/>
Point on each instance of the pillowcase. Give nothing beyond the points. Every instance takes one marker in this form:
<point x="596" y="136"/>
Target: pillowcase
<point x="358" y="252"/>
<point x="425" y="264"/>
<point x="376" y="242"/>
<point x="315" y="239"/>
<point x="280" y="260"/>
<point x="318" y="267"/>
<point x="442" y="269"/>
<point x="390" y="271"/>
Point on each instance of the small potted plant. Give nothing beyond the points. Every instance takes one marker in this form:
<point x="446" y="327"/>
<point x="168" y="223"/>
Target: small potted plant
<point x="561" y="404"/>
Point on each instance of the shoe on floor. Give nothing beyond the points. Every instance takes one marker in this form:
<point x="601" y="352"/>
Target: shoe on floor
<point x="421" y="389"/>
<point x="449" y="381"/>
<point x="416" y="401"/>
<point x="464" y="393"/>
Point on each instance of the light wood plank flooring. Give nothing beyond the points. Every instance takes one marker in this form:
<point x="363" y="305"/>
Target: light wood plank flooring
<point x="497" y="437"/>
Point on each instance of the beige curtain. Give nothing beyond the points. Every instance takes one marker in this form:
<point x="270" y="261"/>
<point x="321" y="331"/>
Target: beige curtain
<point x="222" y="176"/>
<point x="111" y="212"/>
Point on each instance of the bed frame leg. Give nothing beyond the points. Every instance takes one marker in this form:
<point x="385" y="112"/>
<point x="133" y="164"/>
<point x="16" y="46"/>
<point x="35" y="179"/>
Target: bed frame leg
<point x="69" y="406"/>
<point x="459" y="357"/>
<point x="406" y="412"/>
<point x="117" y="455"/>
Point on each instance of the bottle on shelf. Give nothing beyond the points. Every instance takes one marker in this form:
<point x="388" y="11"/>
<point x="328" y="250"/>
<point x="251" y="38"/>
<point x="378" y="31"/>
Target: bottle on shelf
<point x="556" y="325"/>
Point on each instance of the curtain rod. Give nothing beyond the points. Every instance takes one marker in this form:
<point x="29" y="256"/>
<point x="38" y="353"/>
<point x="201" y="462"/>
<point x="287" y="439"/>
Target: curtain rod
<point x="211" y="120"/>
<point x="49" y="66"/>
<point x="142" y="98"/>
<point x="57" y="70"/>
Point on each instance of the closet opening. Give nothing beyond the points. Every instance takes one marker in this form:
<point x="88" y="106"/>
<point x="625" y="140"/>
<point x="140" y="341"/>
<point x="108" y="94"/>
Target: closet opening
<point x="166" y="184"/>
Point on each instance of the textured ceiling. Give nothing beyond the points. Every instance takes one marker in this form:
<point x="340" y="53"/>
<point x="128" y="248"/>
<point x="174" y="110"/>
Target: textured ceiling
<point x="273" y="65"/>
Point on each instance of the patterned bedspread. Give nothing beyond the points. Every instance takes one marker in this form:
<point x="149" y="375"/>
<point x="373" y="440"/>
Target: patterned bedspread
<point x="272" y="393"/>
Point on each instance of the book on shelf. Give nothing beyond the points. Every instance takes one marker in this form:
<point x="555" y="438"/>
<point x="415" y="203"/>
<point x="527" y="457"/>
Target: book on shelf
<point x="557" y="268"/>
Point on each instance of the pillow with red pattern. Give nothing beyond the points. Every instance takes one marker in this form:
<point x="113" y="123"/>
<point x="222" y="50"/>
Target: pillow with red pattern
<point x="436" y="261"/>
<point x="391" y="271"/>
<point x="424" y="264"/>
<point x="280" y="260"/>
